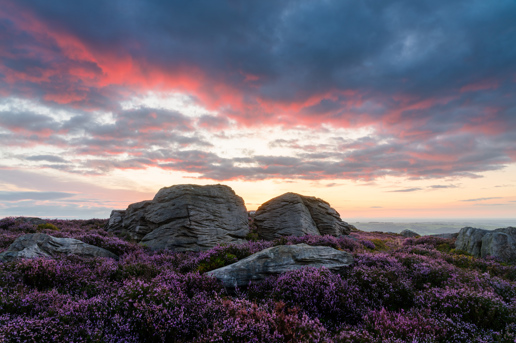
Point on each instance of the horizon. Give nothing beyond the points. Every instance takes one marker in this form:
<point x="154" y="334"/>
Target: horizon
<point x="395" y="109"/>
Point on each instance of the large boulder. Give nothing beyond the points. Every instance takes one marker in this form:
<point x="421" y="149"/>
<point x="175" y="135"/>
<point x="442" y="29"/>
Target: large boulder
<point x="280" y="259"/>
<point x="185" y="218"/>
<point x="500" y="243"/>
<point x="293" y="214"/>
<point x="36" y="245"/>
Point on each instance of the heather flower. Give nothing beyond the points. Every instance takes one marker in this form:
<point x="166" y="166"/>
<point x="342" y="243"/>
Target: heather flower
<point x="416" y="290"/>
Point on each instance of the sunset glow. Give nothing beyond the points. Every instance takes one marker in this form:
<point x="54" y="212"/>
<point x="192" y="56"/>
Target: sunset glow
<point x="394" y="109"/>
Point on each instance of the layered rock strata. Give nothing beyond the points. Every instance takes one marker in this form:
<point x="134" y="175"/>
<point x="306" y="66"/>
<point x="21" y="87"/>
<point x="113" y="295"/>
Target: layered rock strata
<point x="500" y="243"/>
<point x="293" y="214"/>
<point x="36" y="245"/>
<point x="184" y="218"/>
<point x="280" y="259"/>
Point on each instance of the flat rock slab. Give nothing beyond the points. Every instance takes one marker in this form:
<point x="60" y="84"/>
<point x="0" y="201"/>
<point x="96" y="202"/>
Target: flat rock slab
<point x="36" y="245"/>
<point x="184" y="218"/>
<point x="500" y="243"/>
<point x="280" y="259"/>
<point x="293" y="214"/>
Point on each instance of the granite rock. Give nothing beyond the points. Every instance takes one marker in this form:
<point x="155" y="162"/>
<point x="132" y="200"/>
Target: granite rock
<point x="500" y="243"/>
<point x="185" y="218"/>
<point x="36" y="245"/>
<point x="30" y="220"/>
<point x="116" y="220"/>
<point x="280" y="259"/>
<point x="409" y="234"/>
<point x="293" y="214"/>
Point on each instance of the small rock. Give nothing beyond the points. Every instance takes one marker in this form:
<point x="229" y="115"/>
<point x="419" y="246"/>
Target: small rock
<point x="280" y="259"/>
<point x="36" y="245"/>
<point x="30" y="220"/>
<point x="409" y="234"/>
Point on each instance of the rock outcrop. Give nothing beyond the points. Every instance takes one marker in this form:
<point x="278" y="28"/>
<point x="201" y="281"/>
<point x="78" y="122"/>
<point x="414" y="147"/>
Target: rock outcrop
<point x="30" y="220"/>
<point x="184" y="218"/>
<point x="292" y="214"/>
<point x="409" y="234"/>
<point x="36" y="245"/>
<point x="500" y="243"/>
<point x="280" y="259"/>
<point x="116" y="220"/>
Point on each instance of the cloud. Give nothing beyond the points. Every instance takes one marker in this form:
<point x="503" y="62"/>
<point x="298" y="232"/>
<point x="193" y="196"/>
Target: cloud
<point x="54" y="210"/>
<point x="442" y="186"/>
<point x="406" y="190"/>
<point x="481" y="199"/>
<point x="266" y="55"/>
<point x="376" y="207"/>
<point x="16" y="196"/>
<point x="427" y="79"/>
<point x="212" y="122"/>
<point x="46" y="158"/>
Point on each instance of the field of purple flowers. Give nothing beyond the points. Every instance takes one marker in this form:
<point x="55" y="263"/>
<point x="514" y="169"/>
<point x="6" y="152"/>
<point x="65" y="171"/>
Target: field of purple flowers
<point x="398" y="290"/>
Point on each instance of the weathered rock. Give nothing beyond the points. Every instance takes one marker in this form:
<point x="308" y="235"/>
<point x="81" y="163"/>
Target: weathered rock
<point x="292" y="214"/>
<point x="470" y="240"/>
<point x="36" y="245"/>
<point x="185" y="218"/>
<point x="409" y="234"/>
<point x="30" y="220"/>
<point x="353" y="228"/>
<point x="116" y="220"/>
<point x="500" y="243"/>
<point x="280" y="259"/>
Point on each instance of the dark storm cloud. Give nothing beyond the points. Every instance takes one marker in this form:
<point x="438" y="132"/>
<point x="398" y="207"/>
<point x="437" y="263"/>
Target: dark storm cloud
<point x="436" y="80"/>
<point x="294" y="49"/>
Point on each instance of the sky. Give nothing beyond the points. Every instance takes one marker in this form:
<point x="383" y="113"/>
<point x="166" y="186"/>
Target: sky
<point x="385" y="109"/>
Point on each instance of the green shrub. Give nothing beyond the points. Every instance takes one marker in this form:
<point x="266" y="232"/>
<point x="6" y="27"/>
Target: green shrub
<point x="380" y="244"/>
<point x="216" y="261"/>
<point x="445" y="247"/>
<point x="252" y="236"/>
<point x="47" y="226"/>
<point x="459" y="252"/>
